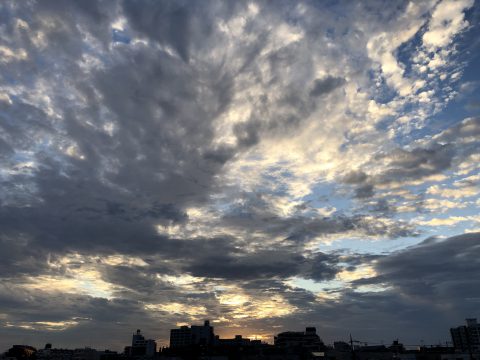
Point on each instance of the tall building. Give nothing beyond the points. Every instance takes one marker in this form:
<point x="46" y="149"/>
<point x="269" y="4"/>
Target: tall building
<point x="466" y="338"/>
<point x="194" y="335"/>
<point x="180" y="337"/>
<point x="142" y="347"/>
<point x="202" y="335"/>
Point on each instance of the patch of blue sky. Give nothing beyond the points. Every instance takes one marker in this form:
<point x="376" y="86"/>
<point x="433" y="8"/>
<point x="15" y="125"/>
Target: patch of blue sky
<point x="470" y="41"/>
<point x="404" y="140"/>
<point x="308" y="284"/>
<point x="330" y="33"/>
<point x="274" y="175"/>
<point x="419" y="133"/>
<point x="10" y="78"/>
<point x="318" y="287"/>
<point x="334" y="7"/>
<point x="383" y="93"/>
<point x="5" y="115"/>
<point x="384" y="124"/>
<point x="458" y="109"/>
<point x="364" y="245"/>
<point x="467" y="48"/>
<point x="453" y="112"/>
<point x="326" y="194"/>
<point x="407" y="51"/>
<point x="221" y="206"/>
<point x="120" y="36"/>
<point x="22" y="156"/>
<point x="443" y="231"/>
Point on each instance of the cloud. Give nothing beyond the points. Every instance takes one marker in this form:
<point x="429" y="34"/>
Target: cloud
<point x="364" y="191"/>
<point x="452" y="220"/>
<point x="326" y="85"/>
<point x="355" y="177"/>
<point x="435" y="268"/>
<point x="423" y="163"/>
<point x="165" y="162"/>
<point x="447" y="21"/>
<point x="456" y="193"/>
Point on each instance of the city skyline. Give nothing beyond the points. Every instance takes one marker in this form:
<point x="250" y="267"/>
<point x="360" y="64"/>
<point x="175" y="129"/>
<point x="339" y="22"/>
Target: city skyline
<point x="464" y="339"/>
<point x="267" y="165"/>
<point x="205" y="335"/>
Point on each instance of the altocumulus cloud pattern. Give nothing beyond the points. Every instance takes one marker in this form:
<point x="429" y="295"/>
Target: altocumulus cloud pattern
<point x="263" y="164"/>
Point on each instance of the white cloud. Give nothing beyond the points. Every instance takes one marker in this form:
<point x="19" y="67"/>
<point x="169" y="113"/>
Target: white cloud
<point x="382" y="47"/>
<point x="446" y="22"/>
<point x="9" y="54"/>
<point x="456" y="193"/>
<point x="442" y="205"/>
<point x="449" y="221"/>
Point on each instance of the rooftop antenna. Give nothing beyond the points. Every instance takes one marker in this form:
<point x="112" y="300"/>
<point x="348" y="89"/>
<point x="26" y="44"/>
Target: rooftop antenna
<point x="351" y="345"/>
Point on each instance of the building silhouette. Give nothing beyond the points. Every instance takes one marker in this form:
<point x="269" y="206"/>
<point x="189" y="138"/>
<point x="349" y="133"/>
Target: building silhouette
<point x="24" y="352"/>
<point x="198" y="342"/>
<point x="194" y="335"/>
<point x="21" y="352"/>
<point x="467" y="337"/>
<point x="141" y="347"/>
<point x="307" y="339"/>
<point x="237" y="341"/>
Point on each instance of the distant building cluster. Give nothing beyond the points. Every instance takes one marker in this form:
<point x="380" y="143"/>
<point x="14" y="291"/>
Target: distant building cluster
<point x="308" y="340"/>
<point x="203" y="335"/>
<point x="467" y="337"/>
<point x="25" y="352"/>
<point x="193" y="335"/>
<point x="200" y="342"/>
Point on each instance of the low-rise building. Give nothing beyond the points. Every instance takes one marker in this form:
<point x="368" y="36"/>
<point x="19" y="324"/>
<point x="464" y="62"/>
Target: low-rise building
<point x="237" y="341"/>
<point x="307" y="339"/>
<point x="21" y="352"/>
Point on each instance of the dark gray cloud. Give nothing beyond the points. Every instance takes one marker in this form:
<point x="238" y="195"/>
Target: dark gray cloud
<point x="365" y="191"/>
<point x="417" y="163"/>
<point x="326" y="85"/>
<point x="18" y="259"/>
<point x="435" y="268"/>
<point x="179" y="24"/>
<point x="442" y="152"/>
<point x="266" y="264"/>
<point x="134" y="278"/>
<point x="355" y="177"/>
<point x="127" y="182"/>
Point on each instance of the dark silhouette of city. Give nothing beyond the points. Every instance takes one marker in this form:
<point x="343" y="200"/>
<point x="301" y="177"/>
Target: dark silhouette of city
<point x="200" y="342"/>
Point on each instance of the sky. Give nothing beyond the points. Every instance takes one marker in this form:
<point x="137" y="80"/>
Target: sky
<point x="267" y="165"/>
